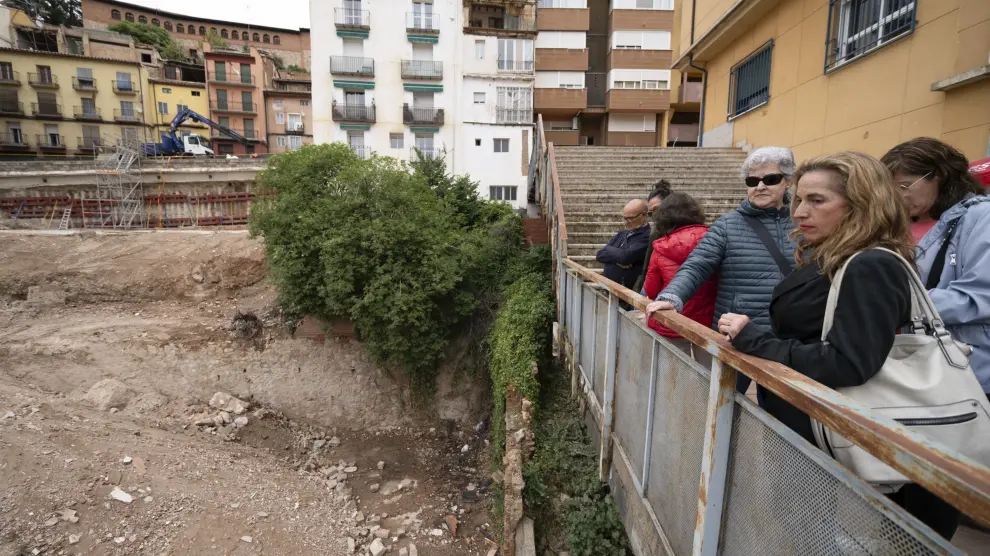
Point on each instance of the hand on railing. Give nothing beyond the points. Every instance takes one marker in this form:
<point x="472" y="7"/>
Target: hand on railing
<point x="732" y="324"/>
<point x="654" y="307"/>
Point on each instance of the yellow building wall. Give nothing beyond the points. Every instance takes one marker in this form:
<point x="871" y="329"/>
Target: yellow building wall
<point x="64" y="69"/>
<point x="870" y="104"/>
<point x="177" y="94"/>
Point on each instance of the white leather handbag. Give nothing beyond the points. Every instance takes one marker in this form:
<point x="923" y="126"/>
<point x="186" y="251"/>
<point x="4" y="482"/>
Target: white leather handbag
<point x="926" y="384"/>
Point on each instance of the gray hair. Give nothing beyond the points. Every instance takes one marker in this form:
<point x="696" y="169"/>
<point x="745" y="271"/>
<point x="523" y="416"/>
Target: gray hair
<point x="781" y="156"/>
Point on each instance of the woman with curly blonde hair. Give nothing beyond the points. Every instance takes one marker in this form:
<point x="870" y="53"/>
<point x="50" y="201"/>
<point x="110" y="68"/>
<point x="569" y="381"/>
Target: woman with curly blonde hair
<point x="844" y="204"/>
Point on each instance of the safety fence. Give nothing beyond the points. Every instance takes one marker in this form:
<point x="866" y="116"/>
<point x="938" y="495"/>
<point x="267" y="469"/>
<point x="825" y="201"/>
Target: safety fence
<point x="696" y="468"/>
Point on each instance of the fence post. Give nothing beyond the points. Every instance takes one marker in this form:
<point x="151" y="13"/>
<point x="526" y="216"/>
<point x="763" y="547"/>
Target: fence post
<point x="579" y="290"/>
<point x="648" y="444"/>
<point x="608" y="401"/>
<point x="715" y="460"/>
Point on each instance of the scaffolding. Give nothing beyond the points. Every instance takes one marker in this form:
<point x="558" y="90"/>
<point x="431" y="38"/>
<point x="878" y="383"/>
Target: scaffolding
<point x="119" y="192"/>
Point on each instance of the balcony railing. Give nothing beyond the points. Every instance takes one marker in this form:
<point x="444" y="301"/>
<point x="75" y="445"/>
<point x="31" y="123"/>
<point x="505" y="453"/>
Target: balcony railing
<point x="84" y="84"/>
<point x="10" y="78"/>
<point x="9" y="107"/>
<point x="89" y="143"/>
<point x="484" y="21"/>
<point x="294" y="87"/>
<point x="246" y="133"/>
<point x="87" y="113"/>
<point x="43" y="80"/>
<point x="353" y="112"/>
<point x="352" y="65"/>
<point x="416" y="115"/>
<point x="231" y="77"/>
<point x="295" y="128"/>
<point x="50" y="141"/>
<point x="514" y="115"/>
<point x="420" y="153"/>
<point x="46" y="110"/>
<point x="231" y="106"/>
<point x="12" y="139"/>
<point x="124" y="87"/>
<point x="515" y="65"/>
<point x="422" y="23"/>
<point x="355" y="19"/>
<point x="125" y="115"/>
<point x="422" y="69"/>
<point x="362" y="151"/>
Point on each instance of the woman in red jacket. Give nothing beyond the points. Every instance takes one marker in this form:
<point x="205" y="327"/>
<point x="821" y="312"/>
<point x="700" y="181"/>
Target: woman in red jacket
<point x="680" y="221"/>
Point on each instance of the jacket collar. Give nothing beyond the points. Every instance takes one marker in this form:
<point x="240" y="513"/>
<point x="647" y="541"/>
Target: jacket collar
<point x="799" y="277"/>
<point x="747" y="209"/>
<point x="954" y="213"/>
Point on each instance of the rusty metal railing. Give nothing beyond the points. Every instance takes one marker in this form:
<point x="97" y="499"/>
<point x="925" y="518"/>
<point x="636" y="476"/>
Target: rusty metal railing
<point x="697" y="468"/>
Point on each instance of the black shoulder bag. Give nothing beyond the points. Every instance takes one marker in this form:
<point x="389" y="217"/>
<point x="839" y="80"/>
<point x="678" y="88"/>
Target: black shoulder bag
<point x="935" y="274"/>
<point x="770" y="244"/>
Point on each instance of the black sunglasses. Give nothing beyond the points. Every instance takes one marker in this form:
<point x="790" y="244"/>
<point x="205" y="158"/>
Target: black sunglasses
<point x="769" y="179"/>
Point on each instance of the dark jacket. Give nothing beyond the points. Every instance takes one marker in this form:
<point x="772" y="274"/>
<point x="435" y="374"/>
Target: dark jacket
<point x="625" y="248"/>
<point x="746" y="271"/>
<point x="874" y="302"/>
<point x="638" y="286"/>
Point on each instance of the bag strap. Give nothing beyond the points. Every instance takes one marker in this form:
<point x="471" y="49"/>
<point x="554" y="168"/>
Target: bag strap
<point x="922" y="309"/>
<point x="935" y="274"/>
<point x="770" y="244"/>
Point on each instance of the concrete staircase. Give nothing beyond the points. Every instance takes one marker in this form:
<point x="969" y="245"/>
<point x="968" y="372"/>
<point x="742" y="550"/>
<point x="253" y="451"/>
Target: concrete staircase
<point x="596" y="182"/>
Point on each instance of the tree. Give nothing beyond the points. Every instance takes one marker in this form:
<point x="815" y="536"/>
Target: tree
<point x="151" y="35"/>
<point x="55" y="12"/>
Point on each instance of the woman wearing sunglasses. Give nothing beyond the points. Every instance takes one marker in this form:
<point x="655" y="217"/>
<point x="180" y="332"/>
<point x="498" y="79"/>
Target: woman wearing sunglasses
<point x="950" y="216"/>
<point x="749" y="247"/>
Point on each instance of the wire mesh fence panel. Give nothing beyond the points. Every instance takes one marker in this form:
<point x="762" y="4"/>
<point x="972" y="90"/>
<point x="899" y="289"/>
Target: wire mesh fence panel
<point x="632" y="390"/>
<point x="573" y="283"/>
<point x="586" y="347"/>
<point x="781" y="501"/>
<point x="678" y="443"/>
<point x="601" y="334"/>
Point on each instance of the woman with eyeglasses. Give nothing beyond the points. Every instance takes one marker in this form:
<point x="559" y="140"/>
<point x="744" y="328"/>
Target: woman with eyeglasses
<point x="749" y="248"/>
<point x="950" y="216"/>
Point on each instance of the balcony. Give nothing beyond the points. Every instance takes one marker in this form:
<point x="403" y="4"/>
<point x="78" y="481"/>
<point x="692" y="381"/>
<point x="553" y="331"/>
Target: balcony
<point x="427" y="116"/>
<point x="637" y="100"/>
<point x="690" y="92"/>
<point x="487" y="23"/>
<point x="43" y="80"/>
<point x="526" y="66"/>
<point x="10" y="78"/>
<point x="126" y="116"/>
<point x="422" y="153"/>
<point x="46" y="111"/>
<point x="353" y="112"/>
<point x="513" y="115"/>
<point x="422" y="23"/>
<point x="84" y="84"/>
<point x="231" y="78"/>
<point x="682" y="133"/>
<point x="346" y="18"/>
<point x="12" y="140"/>
<point x="230" y="106"/>
<point x="560" y="102"/>
<point x="422" y="69"/>
<point x="87" y="113"/>
<point x="564" y="16"/>
<point x="362" y="151"/>
<point x="634" y="58"/>
<point x="295" y="128"/>
<point x="50" y="142"/>
<point x="352" y="65"/>
<point x="88" y="144"/>
<point x="294" y="87"/>
<point x="11" y="108"/>
<point x="562" y="59"/>
<point x="124" y="87"/>
<point x="250" y="134"/>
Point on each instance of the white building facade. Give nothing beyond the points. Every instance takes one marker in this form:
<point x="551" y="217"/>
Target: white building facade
<point x="405" y="78"/>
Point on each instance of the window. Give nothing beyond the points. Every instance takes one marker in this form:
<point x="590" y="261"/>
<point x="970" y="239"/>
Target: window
<point x="163" y="108"/>
<point x="52" y="136"/>
<point x="84" y="76"/>
<point x="88" y="106"/>
<point x="277" y="103"/>
<point x="479" y="50"/>
<point x="295" y="142"/>
<point x="224" y="34"/>
<point x="396" y="140"/>
<point x="214" y="31"/>
<point x="181" y="107"/>
<point x="195" y="93"/>
<point x="124" y="81"/>
<point x="193" y="53"/>
<point x="645" y="40"/>
<point x="142" y="19"/>
<point x="16" y="134"/>
<point x="127" y="109"/>
<point x="45" y="74"/>
<point x="479" y="98"/>
<point x="749" y="81"/>
<point x="247" y="102"/>
<point x="180" y="28"/>
<point x="257" y="37"/>
<point x="639" y="79"/>
<point x="295" y="122"/>
<point x="501" y="145"/>
<point x="856" y="27"/>
<point x="129" y="17"/>
<point x="202" y="30"/>
<point x="276" y="40"/>
<point x="575" y="40"/>
<point x="303" y="103"/>
<point x="91" y="136"/>
<point x="559" y="80"/>
<point x="129" y="135"/>
<point x="225" y="148"/>
<point x="502" y="192"/>
<point x="280" y="118"/>
<point x="477" y="142"/>
<point x="115" y="14"/>
<point x="145" y="58"/>
<point x="6" y="71"/>
<point x="280" y="140"/>
<point x="220" y="71"/>
<point x="249" y="128"/>
<point x="266" y="39"/>
<point x="245" y="73"/>
<point x="166" y="91"/>
<point x="168" y="25"/>
<point x="235" y="35"/>
<point x="155" y="22"/>
<point x="514" y="105"/>
<point x="515" y="54"/>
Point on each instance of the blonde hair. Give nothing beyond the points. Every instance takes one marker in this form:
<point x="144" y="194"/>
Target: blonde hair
<point x="876" y="215"/>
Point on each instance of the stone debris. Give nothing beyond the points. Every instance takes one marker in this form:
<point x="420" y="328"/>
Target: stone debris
<point x="334" y="442"/>
<point x="359" y="517"/>
<point x="148" y="499"/>
<point x="403" y="552"/>
<point x="225" y="417"/>
<point x="52" y="522"/>
<point x="376" y="548"/>
<point x="114" y="410"/>
<point x="375" y="487"/>
<point x="127" y="460"/>
<point x="436" y="532"/>
<point x="108" y="394"/>
<point x="10" y="415"/>
<point x="226" y="402"/>
<point x="350" y="469"/>
<point x="451" y="521"/>
<point x="70" y="516"/>
<point x="119" y="540"/>
<point x="465" y="449"/>
<point x="381" y="465"/>
<point x="351" y="545"/>
<point x="382" y="533"/>
<point x="241" y="421"/>
<point x="412" y="550"/>
<point x="74" y="539"/>
<point x="121" y="496"/>
<point x="247" y="538"/>
<point x="494" y="550"/>
<point x="262" y="514"/>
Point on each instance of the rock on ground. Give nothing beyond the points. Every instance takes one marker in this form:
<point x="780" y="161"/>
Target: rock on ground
<point x="108" y="393"/>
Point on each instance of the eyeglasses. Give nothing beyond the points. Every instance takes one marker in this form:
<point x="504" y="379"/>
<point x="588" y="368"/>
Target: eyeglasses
<point x="769" y="179"/>
<point x="631" y="218"/>
<point x="909" y="186"/>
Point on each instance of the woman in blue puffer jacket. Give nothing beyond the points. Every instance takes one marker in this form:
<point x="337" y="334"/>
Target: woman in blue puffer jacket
<point x="951" y="215"/>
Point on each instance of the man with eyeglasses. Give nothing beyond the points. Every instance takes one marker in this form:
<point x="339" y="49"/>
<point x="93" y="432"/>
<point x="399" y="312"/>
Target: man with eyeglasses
<point x="624" y="254"/>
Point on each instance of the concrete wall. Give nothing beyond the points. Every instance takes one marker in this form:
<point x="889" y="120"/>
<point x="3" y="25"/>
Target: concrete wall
<point x="869" y="104"/>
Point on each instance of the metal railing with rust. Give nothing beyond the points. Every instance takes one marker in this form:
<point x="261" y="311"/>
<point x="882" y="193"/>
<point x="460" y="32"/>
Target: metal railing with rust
<point x="699" y="469"/>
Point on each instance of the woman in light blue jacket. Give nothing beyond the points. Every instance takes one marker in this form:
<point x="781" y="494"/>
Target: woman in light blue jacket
<point x="951" y="214"/>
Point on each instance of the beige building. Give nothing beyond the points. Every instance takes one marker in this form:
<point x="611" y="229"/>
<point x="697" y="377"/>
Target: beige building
<point x="288" y="98"/>
<point x="887" y="71"/>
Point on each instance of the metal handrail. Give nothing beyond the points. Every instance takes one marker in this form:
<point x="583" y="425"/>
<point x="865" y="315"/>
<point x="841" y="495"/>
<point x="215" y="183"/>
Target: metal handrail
<point x="352" y="65"/>
<point x="347" y="17"/>
<point x="43" y="80"/>
<point x="87" y="113"/>
<point x="230" y="77"/>
<point x="421" y="69"/>
<point x="84" y="84"/>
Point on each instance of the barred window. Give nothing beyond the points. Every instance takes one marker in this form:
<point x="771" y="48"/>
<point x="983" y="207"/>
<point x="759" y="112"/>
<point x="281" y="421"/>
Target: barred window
<point x="857" y="27"/>
<point x="502" y="192"/>
<point x="749" y="81"/>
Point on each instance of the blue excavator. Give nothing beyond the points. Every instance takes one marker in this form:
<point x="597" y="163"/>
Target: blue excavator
<point x="188" y="145"/>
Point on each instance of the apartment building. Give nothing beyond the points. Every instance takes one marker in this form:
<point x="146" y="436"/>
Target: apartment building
<point x="234" y="80"/>
<point x="886" y="71"/>
<point x="173" y="87"/>
<point x="288" y="99"/>
<point x="292" y="46"/>
<point x="459" y="85"/>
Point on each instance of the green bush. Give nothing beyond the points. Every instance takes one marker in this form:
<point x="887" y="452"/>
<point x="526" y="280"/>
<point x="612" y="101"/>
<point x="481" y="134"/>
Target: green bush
<point x="388" y="248"/>
<point x="143" y="33"/>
